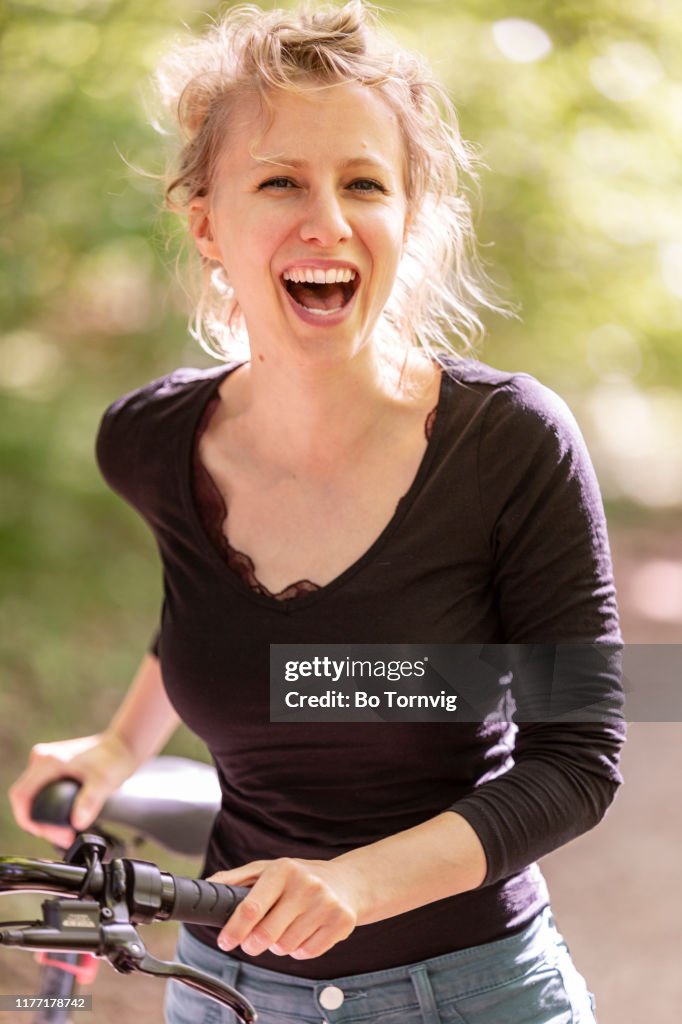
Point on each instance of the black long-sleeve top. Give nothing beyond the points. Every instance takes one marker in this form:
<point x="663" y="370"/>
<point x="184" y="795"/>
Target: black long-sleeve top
<point x="500" y="539"/>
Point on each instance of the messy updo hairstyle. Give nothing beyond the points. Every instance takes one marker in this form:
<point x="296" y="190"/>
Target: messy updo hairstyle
<point x="440" y="286"/>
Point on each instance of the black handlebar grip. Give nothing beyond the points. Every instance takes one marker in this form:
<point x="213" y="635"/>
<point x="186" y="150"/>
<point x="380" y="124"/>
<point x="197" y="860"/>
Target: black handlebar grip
<point x="53" y="804"/>
<point x="200" y="902"/>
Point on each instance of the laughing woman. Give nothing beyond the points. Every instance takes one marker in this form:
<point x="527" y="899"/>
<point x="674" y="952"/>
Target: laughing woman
<point x="350" y="478"/>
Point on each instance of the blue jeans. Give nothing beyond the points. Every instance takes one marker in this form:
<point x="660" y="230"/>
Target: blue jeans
<point x="528" y="978"/>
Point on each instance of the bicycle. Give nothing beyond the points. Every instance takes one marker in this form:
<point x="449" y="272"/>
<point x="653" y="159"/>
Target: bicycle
<point x="101" y="895"/>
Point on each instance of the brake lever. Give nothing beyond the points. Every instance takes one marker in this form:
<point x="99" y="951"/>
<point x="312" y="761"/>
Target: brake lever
<point x="200" y="981"/>
<point x="120" y="944"/>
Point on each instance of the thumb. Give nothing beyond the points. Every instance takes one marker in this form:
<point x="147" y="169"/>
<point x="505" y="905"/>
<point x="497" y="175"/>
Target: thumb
<point x="87" y="806"/>
<point x="247" y="874"/>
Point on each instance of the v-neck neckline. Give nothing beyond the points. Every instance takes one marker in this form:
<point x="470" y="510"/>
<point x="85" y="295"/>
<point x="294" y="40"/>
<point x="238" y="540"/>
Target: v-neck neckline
<point x="288" y="606"/>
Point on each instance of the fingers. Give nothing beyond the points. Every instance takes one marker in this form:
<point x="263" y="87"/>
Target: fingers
<point x="244" y="875"/>
<point x="293" y="909"/>
<point x="313" y="933"/>
<point x="319" y="942"/>
<point x="97" y="762"/>
<point x="87" y="806"/>
<point x="22" y="794"/>
<point x="21" y="803"/>
<point x="248" y="919"/>
<point x="257" y="931"/>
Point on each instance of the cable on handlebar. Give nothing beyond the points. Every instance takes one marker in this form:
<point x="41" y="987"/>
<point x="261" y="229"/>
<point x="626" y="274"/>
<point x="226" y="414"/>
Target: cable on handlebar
<point x="103" y="903"/>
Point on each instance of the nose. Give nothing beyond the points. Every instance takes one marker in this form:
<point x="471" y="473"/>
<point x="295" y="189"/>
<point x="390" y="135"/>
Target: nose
<point x="324" y="221"/>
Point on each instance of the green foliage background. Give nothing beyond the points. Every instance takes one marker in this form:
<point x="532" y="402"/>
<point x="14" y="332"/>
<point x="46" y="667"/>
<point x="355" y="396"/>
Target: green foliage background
<point x="581" y="222"/>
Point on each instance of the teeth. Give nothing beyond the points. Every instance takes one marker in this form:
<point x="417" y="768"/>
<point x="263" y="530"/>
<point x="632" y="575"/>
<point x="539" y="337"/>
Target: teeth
<point x="314" y="275"/>
<point x="320" y="312"/>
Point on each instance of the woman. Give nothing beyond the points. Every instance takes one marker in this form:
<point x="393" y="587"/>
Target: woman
<point x="351" y="481"/>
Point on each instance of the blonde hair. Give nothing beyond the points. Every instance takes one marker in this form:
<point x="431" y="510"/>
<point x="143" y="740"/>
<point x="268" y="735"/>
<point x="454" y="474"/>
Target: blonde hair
<point x="440" y="284"/>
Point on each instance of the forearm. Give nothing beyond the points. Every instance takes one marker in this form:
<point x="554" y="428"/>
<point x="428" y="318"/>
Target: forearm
<point x="146" y="719"/>
<point x="439" y="858"/>
<point x="303" y="907"/>
<point x="564" y="779"/>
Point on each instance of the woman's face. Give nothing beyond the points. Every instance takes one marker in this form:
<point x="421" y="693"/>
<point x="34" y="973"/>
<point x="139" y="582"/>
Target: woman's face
<point x="307" y="214"/>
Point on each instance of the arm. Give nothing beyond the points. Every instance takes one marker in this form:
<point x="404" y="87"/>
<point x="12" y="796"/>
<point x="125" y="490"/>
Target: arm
<point x="139" y="729"/>
<point x="304" y="907"/>
<point x="565" y="774"/>
<point x="439" y="858"/>
<point x="146" y="719"/>
<point x="542" y="513"/>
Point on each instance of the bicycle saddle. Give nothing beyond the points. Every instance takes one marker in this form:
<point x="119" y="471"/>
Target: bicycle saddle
<point x="170" y="800"/>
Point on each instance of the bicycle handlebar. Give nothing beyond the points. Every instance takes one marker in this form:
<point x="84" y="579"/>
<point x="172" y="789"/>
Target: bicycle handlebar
<point x="190" y="900"/>
<point x="171" y="801"/>
<point x="104" y="903"/>
<point x="53" y="804"/>
<point x="200" y="902"/>
<point x="99" y="903"/>
<point x="151" y="894"/>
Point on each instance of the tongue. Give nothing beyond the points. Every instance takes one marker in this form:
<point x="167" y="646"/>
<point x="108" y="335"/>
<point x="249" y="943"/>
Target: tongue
<point x="317" y="296"/>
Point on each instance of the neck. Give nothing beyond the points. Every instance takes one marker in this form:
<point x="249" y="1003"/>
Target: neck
<point x="304" y="414"/>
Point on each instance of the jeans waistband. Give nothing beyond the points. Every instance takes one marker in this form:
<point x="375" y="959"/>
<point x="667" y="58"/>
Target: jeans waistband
<point x="458" y="974"/>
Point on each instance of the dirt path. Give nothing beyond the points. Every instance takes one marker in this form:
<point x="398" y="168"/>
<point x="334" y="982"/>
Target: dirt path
<point x="616" y="891"/>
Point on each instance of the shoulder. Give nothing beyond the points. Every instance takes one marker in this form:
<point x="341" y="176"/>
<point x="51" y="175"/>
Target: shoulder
<point x="138" y="425"/>
<point x="539" y="510"/>
<point x="514" y="404"/>
<point x="173" y="389"/>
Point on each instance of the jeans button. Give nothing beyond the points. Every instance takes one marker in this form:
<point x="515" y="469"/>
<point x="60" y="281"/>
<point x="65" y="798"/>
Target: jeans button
<point x="331" y="997"/>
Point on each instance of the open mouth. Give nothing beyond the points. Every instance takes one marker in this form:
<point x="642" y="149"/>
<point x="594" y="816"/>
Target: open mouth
<point x="320" y="292"/>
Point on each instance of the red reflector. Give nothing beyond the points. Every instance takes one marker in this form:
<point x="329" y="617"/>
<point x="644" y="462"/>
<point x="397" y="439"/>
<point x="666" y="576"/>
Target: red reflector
<point x="84" y="970"/>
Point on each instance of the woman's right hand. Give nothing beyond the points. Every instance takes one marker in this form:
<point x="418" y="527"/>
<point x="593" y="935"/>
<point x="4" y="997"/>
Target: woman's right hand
<point x="101" y="763"/>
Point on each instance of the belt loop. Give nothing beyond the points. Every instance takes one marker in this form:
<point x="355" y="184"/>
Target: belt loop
<point x="425" y="997"/>
<point x="229" y="975"/>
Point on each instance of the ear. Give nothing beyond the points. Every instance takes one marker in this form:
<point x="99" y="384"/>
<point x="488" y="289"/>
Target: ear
<point x="200" y="227"/>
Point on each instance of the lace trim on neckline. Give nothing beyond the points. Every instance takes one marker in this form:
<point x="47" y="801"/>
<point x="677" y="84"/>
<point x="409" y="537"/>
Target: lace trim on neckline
<point x="213" y="512"/>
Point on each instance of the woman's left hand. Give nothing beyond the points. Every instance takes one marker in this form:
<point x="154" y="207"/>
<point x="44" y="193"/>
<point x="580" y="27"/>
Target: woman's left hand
<point x="299" y="908"/>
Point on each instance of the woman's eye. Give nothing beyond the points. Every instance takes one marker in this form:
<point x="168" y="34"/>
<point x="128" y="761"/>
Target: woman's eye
<point x="366" y="185"/>
<point x="282" y="183"/>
